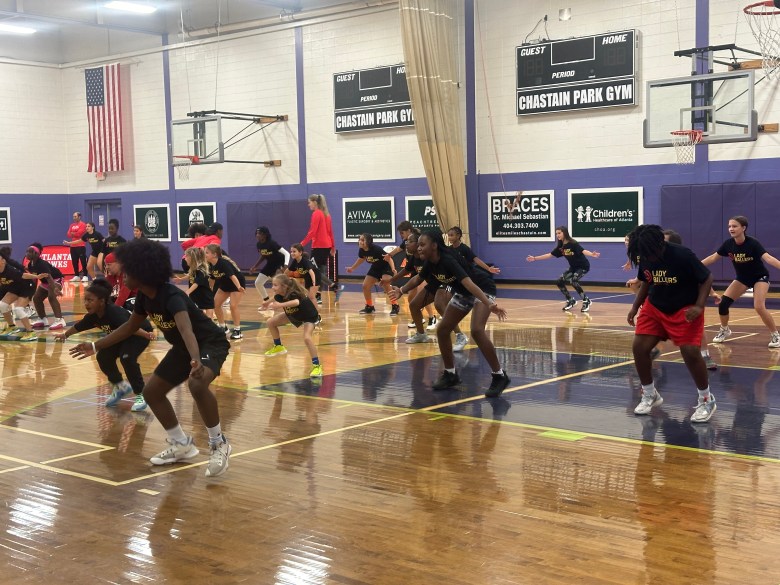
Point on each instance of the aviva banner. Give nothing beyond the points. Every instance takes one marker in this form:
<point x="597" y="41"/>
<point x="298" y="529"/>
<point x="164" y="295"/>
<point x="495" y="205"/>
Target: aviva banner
<point x="372" y="215"/>
<point x="604" y="215"/>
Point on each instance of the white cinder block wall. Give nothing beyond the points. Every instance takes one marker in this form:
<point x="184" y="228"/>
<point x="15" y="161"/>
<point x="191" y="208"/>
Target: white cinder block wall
<point x="345" y="45"/>
<point x="33" y="130"/>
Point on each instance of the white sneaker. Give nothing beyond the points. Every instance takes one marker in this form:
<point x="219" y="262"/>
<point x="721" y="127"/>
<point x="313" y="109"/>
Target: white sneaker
<point x="85" y="279"/>
<point x="118" y="391"/>
<point x="418" y="338"/>
<point x="411" y="325"/>
<point x="58" y="324"/>
<point x="176" y="452"/>
<point x="76" y="279"/>
<point x="723" y="334"/>
<point x="775" y="340"/>
<point x="704" y="410"/>
<point x="461" y="341"/>
<point x="647" y="402"/>
<point x="432" y="323"/>
<point x="219" y="458"/>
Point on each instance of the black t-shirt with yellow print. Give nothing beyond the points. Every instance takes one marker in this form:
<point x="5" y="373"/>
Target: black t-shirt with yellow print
<point x="674" y="279"/>
<point x="450" y="271"/>
<point x="168" y="301"/>
<point x="303" y="312"/>
<point x="113" y="317"/>
<point x="746" y="258"/>
<point x="574" y="255"/>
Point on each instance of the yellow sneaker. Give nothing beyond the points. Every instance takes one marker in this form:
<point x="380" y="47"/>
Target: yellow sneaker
<point x="28" y="336"/>
<point x="316" y="372"/>
<point x="276" y="350"/>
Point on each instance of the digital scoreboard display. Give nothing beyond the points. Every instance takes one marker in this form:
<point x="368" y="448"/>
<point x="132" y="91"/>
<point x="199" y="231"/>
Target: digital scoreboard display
<point x="603" y="64"/>
<point x="371" y="99"/>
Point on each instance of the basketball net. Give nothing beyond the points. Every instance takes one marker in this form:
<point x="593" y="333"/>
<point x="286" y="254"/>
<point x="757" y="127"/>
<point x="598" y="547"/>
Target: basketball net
<point x="182" y="165"/>
<point x="685" y="142"/>
<point x="762" y="18"/>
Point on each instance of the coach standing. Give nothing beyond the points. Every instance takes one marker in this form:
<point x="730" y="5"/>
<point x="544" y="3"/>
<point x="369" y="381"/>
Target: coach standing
<point x="78" y="248"/>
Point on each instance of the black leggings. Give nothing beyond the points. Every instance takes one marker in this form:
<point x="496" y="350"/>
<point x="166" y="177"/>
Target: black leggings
<point x="322" y="256"/>
<point x="571" y="277"/>
<point x="127" y="352"/>
<point x="79" y="253"/>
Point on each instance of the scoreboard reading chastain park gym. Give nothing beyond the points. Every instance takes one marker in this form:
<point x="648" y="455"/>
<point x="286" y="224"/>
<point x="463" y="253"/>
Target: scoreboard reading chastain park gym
<point x="371" y="99"/>
<point x="575" y="74"/>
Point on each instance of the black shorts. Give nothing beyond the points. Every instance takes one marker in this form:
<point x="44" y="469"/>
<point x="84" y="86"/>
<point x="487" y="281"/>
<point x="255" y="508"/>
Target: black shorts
<point x="377" y="272"/>
<point x="298" y="322"/>
<point x="227" y="285"/>
<point x="750" y="282"/>
<point x="175" y="366"/>
<point x="270" y="269"/>
<point x="24" y="289"/>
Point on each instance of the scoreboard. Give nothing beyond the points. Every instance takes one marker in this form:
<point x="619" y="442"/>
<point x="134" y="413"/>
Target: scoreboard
<point x="587" y="72"/>
<point x="371" y="99"/>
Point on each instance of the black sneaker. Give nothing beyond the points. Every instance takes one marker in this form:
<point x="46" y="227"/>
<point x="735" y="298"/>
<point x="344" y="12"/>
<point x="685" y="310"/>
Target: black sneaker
<point x="497" y="385"/>
<point x="569" y="305"/>
<point x="236" y="334"/>
<point x="585" y="305"/>
<point x="394" y="310"/>
<point x="367" y="310"/>
<point x="446" y="380"/>
<point x="319" y="299"/>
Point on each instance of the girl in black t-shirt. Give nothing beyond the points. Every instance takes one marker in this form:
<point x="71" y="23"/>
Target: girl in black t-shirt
<point x="16" y="288"/>
<point x="95" y="240"/>
<point x="198" y="279"/>
<point x="199" y="349"/>
<point x="303" y="269"/>
<point x="229" y="283"/>
<point x="412" y="267"/>
<point x="272" y="254"/>
<point x="471" y="290"/>
<point x="380" y="271"/>
<point x="112" y="240"/>
<point x="455" y="239"/>
<point x="298" y="310"/>
<point x="103" y="314"/>
<point x="748" y="257"/>
<point x="49" y="287"/>
<point x="578" y="266"/>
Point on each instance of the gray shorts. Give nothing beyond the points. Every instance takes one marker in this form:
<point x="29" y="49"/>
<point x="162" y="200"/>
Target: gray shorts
<point x="466" y="302"/>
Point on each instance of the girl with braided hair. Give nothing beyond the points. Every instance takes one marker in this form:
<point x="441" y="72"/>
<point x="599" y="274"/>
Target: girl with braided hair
<point x="673" y="289"/>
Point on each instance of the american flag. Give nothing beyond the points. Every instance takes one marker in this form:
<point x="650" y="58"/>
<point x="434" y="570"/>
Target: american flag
<point x="104" y="115"/>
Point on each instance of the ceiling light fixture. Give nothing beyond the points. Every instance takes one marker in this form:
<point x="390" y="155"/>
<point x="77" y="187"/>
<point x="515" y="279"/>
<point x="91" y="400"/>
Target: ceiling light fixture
<point x="134" y="7"/>
<point x="16" y="29"/>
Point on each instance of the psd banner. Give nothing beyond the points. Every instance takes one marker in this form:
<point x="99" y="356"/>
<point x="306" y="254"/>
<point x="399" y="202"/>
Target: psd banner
<point x="521" y="216"/>
<point x="374" y="215"/>
<point x="604" y="215"/>
<point x="155" y="221"/>
<point x="190" y="213"/>
<point x="421" y="212"/>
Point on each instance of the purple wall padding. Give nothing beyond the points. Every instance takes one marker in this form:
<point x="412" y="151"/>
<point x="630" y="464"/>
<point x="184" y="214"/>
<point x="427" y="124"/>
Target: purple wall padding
<point x="676" y="210"/>
<point x="763" y="225"/>
<point x="287" y="220"/>
<point x="707" y="224"/>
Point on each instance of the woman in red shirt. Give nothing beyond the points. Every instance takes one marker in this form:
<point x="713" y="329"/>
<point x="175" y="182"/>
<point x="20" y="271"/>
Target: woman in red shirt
<point x="323" y="245"/>
<point x="78" y="248"/>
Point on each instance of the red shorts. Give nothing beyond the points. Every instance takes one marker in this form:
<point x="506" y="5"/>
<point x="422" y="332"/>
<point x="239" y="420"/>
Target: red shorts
<point x="651" y="321"/>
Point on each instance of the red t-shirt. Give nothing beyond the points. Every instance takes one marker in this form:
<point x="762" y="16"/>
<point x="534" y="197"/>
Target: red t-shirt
<point x="320" y="231"/>
<point x="75" y="231"/>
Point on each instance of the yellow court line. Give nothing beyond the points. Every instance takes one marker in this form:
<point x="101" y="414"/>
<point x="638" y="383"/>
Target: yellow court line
<point x="77" y="455"/>
<point x="60" y="471"/>
<point x="98" y="446"/>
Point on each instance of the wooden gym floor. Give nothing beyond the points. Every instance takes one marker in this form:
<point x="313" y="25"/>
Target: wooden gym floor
<point x="370" y="477"/>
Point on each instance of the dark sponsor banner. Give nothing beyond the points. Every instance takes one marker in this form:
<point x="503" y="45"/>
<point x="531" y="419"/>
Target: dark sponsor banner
<point x="421" y="212"/>
<point x="155" y="221"/>
<point x="393" y="116"/>
<point x="375" y="216"/>
<point x="604" y="215"/>
<point x="581" y="96"/>
<point x="190" y="213"/>
<point x="525" y="217"/>
<point x="5" y="225"/>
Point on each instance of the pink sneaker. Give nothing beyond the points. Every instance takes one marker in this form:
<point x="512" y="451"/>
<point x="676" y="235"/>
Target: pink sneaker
<point x="58" y="324"/>
<point x="39" y="325"/>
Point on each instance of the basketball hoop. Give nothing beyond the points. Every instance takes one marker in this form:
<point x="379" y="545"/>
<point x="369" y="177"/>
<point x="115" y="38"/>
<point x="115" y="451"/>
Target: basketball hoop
<point x="762" y="18"/>
<point x="685" y="142"/>
<point x="182" y="165"/>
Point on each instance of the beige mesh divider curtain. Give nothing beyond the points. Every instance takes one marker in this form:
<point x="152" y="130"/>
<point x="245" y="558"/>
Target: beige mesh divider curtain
<point x="429" y="32"/>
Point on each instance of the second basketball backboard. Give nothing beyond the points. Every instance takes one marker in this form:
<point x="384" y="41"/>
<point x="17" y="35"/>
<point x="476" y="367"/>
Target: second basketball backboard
<point x="720" y="105"/>
<point x="198" y="137"/>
